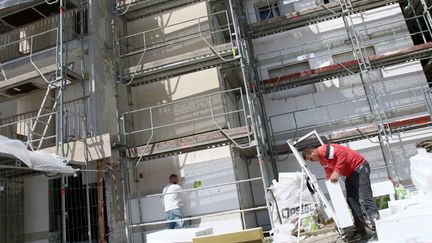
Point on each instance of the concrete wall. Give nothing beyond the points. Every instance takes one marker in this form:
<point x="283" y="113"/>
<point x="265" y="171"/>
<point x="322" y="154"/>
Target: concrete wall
<point x="101" y="74"/>
<point x="36" y="211"/>
<point x="173" y="101"/>
<point x="8" y="108"/>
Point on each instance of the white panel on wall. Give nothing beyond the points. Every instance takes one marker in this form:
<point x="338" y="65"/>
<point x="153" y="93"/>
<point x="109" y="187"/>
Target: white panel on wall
<point x="215" y="199"/>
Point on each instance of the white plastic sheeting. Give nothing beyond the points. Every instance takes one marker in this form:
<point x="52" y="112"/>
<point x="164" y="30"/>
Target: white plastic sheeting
<point x="35" y="160"/>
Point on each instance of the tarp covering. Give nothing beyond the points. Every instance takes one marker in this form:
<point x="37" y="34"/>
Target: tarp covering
<point x="35" y="160"/>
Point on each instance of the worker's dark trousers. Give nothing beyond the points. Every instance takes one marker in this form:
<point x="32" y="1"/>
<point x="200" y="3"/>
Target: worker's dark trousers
<point x="359" y="195"/>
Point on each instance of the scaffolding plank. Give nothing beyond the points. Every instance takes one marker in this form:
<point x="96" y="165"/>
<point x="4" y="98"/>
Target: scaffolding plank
<point x="189" y="143"/>
<point x="338" y="70"/>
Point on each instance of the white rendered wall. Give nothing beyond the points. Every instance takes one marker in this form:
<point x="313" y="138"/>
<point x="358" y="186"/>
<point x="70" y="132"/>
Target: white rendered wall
<point x="36" y="211"/>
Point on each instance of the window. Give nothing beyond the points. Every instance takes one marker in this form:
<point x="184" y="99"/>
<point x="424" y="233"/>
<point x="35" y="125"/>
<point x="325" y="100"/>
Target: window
<point x="266" y="12"/>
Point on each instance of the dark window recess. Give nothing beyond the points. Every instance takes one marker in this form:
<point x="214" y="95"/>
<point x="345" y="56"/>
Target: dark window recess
<point x="22" y="89"/>
<point x="326" y="1"/>
<point x="77" y="26"/>
<point x="268" y="12"/>
<point x="76" y="209"/>
<point x="24" y="17"/>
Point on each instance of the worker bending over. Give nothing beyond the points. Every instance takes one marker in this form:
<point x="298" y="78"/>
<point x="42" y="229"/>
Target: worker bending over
<point x="338" y="161"/>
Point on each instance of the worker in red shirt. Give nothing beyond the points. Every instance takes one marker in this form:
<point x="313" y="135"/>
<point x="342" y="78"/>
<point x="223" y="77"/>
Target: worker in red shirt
<point x="339" y="161"/>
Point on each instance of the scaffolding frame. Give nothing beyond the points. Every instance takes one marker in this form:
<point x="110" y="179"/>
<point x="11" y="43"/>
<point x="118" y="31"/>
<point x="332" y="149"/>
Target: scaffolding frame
<point x="68" y="116"/>
<point x="217" y="54"/>
<point x="361" y="65"/>
<point x="253" y="85"/>
<point x="237" y="53"/>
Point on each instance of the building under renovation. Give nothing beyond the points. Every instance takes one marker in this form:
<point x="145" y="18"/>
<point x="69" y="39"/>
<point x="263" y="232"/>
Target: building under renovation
<point x="131" y="91"/>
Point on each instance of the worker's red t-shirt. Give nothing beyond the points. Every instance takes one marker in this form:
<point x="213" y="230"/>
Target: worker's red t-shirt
<point x="334" y="157"/>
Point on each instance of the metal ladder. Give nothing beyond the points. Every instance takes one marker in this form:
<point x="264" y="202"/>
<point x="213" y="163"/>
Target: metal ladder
<point x="39" y="127"/>
<point x="374" y="99"/>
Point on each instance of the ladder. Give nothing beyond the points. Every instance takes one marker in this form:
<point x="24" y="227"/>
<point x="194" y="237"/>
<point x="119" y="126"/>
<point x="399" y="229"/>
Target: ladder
<point x="374" y="99"/>
<point x="40" y="125"/>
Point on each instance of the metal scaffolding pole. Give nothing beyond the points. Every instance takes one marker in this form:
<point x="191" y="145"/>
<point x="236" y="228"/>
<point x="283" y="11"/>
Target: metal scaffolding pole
<point x="60" y="128"/>
<point x="252" y="109"/>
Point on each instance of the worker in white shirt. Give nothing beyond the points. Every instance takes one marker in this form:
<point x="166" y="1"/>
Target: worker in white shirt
<point x="172" y="202"/>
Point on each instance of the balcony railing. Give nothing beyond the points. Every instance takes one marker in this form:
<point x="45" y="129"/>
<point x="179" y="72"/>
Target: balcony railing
<point x="16" y="43"/>
<point x="33" y="42"/>
<point x="209" y="31"/>
<point x="20" y="126"/>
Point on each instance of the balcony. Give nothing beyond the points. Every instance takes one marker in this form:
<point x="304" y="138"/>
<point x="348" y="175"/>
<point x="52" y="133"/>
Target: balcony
<point x="29" y="56"/>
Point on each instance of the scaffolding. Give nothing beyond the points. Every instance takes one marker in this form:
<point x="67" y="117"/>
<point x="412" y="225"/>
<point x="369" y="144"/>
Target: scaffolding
<point x="230" y="114"/>
<point x="88" y="207"/>
<point x="47" y="54"/>
<point x="363" y="64"/>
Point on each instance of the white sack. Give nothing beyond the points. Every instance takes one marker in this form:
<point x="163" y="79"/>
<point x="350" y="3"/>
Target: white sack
<point x="287" y="194"/>
<point x="35" y="160"/>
